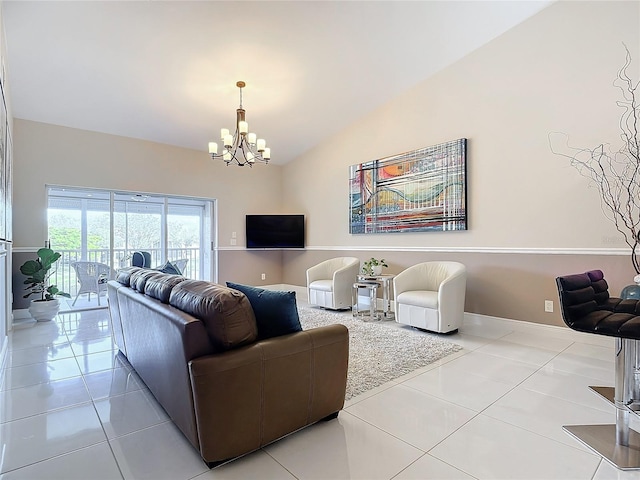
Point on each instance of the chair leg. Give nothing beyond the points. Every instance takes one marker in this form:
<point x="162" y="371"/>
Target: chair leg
<point x="75" y="300"/>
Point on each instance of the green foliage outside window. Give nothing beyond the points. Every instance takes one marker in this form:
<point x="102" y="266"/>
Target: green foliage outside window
<point x="65" y="238"/>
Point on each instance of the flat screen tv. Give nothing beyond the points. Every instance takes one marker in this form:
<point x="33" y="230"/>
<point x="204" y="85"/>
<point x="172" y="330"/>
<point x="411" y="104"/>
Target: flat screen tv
<point x="275" y="231"/>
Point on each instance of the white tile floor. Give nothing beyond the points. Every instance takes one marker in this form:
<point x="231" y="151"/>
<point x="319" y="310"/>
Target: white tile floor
<point x="72" y="408"/>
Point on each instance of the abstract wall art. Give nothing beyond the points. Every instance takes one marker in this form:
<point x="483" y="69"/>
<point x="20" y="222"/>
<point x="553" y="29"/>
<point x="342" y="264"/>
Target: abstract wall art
<point x="417" y="191"/>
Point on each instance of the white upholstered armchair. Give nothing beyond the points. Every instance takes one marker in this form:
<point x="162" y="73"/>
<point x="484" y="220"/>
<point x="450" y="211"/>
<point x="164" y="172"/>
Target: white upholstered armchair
<point x="431" y="295"/>
<point x="330" y="283"/>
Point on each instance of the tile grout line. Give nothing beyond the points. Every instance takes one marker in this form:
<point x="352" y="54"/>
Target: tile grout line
<point x="516" y="386"/>
<point x="95" y="409"/>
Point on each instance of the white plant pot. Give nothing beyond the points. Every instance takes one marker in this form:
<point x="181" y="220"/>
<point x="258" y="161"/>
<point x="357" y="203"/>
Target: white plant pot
<point x="377" y="269"/>
<point x="44" y="311"/>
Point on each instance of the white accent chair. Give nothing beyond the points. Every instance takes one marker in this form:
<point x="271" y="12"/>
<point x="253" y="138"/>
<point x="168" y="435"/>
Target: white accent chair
<point x="329" y="284"/>
<point x="92" y="277"/>
<point x="430" y="296"/>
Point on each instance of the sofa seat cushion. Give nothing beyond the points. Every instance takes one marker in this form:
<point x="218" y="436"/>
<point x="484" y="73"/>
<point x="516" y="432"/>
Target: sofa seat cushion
<point x="276" y="311"/>
<point x="322" y="285"/>
<point x="419" y="298"/>
<point x="226" y="313"/>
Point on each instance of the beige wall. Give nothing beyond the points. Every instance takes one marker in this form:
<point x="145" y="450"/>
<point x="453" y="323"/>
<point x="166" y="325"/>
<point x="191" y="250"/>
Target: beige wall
<point x="553" y="72"/>
<point x="499" y="284"/>
<point x="48" y="154"/>
<point x="531" y="216"/>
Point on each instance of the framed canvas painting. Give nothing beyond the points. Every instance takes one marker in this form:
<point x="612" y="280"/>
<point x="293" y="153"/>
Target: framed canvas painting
<point x="417" y="191"/>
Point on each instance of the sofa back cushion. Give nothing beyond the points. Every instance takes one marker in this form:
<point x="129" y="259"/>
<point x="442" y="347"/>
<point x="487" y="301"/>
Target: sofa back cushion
<point x="123" y="275"/>
<point x="226" y="313"/>
<point x="139" y="278"/>
<point x="160" y="286"/>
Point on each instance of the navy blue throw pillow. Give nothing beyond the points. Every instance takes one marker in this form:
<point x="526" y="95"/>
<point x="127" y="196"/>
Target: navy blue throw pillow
<point x="169" y="268"/>
<point x="276" y="312"/>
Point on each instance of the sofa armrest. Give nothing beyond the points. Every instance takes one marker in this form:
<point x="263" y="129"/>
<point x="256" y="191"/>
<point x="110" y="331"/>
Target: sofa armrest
<point x="251" y="396"/>
<point x="114" y="312"/>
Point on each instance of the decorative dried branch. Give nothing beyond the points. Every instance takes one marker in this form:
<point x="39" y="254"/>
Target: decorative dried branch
<point x="616" y="174"/>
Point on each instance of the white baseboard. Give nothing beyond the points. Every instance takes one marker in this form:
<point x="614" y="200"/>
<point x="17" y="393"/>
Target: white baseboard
<point x="301" y="292"/>
<point x="22" y="319"/>
<point x="477" y="320"/>
<point x="3" y="354"/>
<point x="21" y="313"/>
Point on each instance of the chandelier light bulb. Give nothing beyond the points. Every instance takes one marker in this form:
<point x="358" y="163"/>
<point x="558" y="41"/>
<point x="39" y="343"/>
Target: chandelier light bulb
<point x="241" y="147"/>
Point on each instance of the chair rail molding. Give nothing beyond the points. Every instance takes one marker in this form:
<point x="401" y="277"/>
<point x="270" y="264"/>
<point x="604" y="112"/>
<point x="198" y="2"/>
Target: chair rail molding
<point x="500" y="250"/>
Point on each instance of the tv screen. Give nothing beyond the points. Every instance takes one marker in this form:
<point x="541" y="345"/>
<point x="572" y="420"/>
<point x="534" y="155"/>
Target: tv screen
<point x="275" y="231"/>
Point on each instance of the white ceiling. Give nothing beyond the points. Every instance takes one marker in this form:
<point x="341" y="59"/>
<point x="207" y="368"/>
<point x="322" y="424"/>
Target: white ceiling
<point x="166" y="71"/>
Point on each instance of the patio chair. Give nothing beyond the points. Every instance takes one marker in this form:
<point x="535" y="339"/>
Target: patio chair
<point x="141" y="259"/>
<point x="93" y="277"/>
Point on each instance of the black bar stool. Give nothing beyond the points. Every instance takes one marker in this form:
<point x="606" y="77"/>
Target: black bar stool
<point x="587" y="307"/>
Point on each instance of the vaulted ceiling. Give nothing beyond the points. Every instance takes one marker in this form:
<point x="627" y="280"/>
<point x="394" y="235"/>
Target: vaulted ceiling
<point x="166" y="71"/>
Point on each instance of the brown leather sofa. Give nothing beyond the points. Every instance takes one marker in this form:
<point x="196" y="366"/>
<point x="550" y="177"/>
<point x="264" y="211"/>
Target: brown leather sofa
<point x="195" y="346"/>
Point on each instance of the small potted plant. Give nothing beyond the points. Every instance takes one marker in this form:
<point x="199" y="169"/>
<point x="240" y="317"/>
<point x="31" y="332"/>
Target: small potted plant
<point x="38" y="273"/>
<point x="373" y="266"/>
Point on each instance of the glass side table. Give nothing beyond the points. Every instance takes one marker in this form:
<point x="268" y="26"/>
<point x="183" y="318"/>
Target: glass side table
<point x="371" y="288"/>
<point x="385" y="280"/>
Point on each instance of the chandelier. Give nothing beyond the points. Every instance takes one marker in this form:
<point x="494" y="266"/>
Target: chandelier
<point x="242" y="147"/>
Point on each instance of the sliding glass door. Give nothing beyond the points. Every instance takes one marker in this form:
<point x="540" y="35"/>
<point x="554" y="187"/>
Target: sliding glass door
<point x="109" y="226"/>
<point x="138" y="225"/>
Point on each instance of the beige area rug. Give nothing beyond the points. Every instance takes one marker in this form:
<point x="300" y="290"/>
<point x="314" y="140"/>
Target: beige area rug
<point x="379" y="351"/>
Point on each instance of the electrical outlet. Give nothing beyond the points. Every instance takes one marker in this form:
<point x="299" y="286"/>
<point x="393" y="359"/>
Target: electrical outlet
<point x="548" y="306"/>
<point x="232" y="241"/>
<point x="264" y="276"/>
